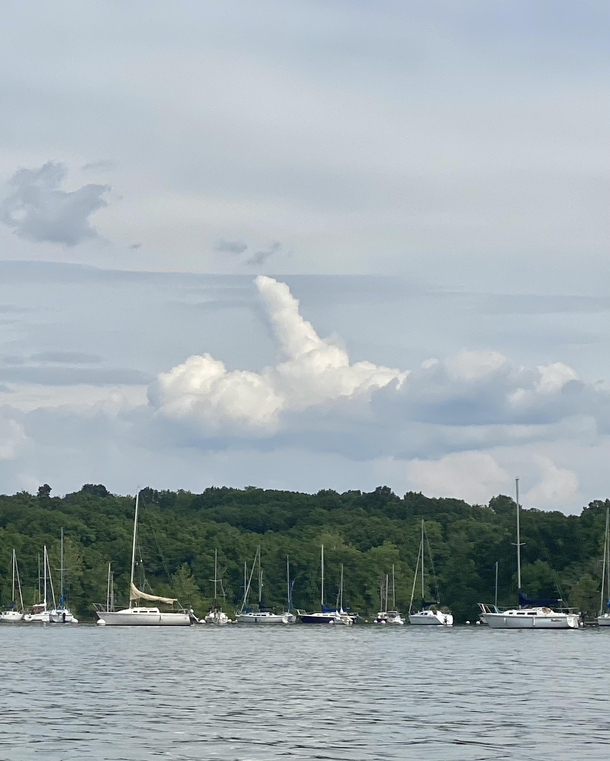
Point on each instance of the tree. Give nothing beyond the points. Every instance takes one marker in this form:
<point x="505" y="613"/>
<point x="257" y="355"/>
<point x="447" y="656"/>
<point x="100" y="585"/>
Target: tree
<point x="44" y="491"/>
<point x="95" y="490"/>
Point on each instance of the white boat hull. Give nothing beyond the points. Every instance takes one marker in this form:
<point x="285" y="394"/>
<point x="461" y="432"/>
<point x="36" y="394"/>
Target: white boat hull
<point x="216" y="618"/>
<point x="604" y="620"/>
<point x="431" y="618"/>
<point x="516" y="619"/>
<point x="62" y="616"/>
<point x="265" y="618"/>
<point x="391" y="617"/>
<point x="142" y="617"/>
<point x="11" y="617"/>
<point x="36" y="618"/>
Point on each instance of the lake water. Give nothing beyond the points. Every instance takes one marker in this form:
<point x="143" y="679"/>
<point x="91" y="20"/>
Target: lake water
<point x="300" y="692"/>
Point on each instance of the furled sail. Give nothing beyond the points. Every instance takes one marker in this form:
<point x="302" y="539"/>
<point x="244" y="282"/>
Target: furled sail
<point x="135" y="594"/>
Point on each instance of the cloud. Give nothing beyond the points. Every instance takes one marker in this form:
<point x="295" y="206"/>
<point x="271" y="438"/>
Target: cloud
<point x="51" y="375"/>
<point x="66" y="357"/>
<point x="104" y="165"/>
<point x="260" y="257"/>
<point x="39" y="210"/>
<point x="472" y="396"/>
<point x="230" y="246"/>
<point x="556" y="485"/>
<point x="202" y="392"/>
<point x="12" y="435"/>
<point x="472" y="476"/>
<point x="237" y="248"/>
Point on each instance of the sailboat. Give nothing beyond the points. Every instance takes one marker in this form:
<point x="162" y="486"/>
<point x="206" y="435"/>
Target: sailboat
<point x="38" y="613"/>
<point x="13" y="613"/>
<point x="260" y="616"/>
<point x="386" y="616"/>
<point x="326" y="615"/>
<point x="428" y="614"/>
<point x="535" y="614"/>
<point x="604" y="602"/>
<point x="216" y="615"/>
<point x="61" y="614"/>
<point x="140" y="615"/>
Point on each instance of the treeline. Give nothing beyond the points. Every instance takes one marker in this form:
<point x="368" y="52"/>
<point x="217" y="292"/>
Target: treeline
<point x="366" y="532"/>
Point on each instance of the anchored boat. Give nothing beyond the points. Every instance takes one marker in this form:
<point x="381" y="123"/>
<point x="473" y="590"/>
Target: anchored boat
<point x="531" y="614"/>
<point x="429" y="613"/>
<point x="62" y="614"/>
<point x="260" y="616"/>
<point x="327" y="615"/>
<point x="139" y="615"/>
<point x="604" y="603"/>
<point x="386" y="616"/>
<point x="13" y="613"/>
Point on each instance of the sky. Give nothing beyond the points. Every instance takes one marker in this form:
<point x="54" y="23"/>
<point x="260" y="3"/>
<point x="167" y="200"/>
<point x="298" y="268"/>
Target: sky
<point x="306" y="245"/>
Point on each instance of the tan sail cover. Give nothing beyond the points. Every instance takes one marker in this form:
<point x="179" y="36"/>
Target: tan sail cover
<point x="135" y="594"/>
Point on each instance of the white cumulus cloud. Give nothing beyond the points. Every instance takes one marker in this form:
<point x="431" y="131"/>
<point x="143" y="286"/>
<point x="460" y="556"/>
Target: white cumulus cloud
<point x="314" y="371"/>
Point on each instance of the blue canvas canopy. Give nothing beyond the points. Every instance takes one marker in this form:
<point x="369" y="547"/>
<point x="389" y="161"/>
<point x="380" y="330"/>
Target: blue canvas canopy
<point x="525" y="601"/>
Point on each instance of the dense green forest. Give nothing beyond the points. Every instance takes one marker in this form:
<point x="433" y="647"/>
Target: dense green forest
<point x="366" y="532"/>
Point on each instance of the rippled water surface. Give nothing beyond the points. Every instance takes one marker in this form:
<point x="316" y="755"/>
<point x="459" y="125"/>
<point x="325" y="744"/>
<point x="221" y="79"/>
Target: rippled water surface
<point x="303" y="693"/>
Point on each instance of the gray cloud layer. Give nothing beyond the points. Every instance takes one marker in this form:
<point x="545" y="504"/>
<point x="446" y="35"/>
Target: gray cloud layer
<point x="39" y="210"/>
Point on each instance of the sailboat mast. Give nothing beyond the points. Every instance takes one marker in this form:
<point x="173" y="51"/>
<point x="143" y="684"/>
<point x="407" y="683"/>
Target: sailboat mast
<point x="605" y="564"/>
<point x="39" y="577"/>
<point x="341" y="590"/>
<point x="393" y="588"/>
<point x="215" y="574"/>
<point x="61" y="570"/>
<point x="387" y="584"/>
<point x="133" y="546"/>
<point x="14" y="561"/>
<point x="288" y="600"/>
<point x="518" y="539"/>
<point x="322" y="576"/>
<point x="260" y="578"/>
<point x="423" y="596"/>
<point x="108" y="587"/>
<point x="44" y="574"/>
<point x="496" y="593"/>
<point x="19" y="583"/>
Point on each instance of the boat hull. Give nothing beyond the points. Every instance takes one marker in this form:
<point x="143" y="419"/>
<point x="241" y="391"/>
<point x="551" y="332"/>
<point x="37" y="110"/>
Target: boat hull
<point x="36" y="618"/>
<point x="62" y="616"/>
<point x="318" y="618"/>
<point x="265" y="619"/>
<point x="603" y="620"/>
<point x="518" y="621"/>
<point x="142" y="617"/>
<point x="430" y="618"/>
<point x="11" y="617"/>
<point x="390" y="618"/>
